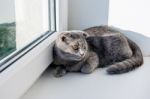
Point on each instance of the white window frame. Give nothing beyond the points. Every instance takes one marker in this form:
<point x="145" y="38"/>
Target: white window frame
<point x="19" y="77"/>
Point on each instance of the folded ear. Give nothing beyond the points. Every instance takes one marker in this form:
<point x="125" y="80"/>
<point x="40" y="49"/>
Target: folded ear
<point x="63" y="38"/>
<point x="85" y="34"/>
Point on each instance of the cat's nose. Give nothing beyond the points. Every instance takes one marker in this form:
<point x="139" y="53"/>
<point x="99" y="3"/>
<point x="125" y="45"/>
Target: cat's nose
<point x="81" y="54"/>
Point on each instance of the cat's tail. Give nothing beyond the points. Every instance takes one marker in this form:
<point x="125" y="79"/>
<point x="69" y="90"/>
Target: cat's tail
<point x="129" y="64"/>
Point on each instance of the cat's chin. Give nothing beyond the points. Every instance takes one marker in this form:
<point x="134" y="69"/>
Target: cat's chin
<point x="79" y="58"/>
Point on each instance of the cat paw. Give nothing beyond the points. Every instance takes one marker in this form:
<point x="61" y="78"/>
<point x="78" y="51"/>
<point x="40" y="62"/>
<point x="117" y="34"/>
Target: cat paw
<point x="87" y="69"/>
<point x="59" y="72"/>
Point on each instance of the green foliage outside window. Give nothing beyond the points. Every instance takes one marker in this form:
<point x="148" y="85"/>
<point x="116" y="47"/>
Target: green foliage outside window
<point x="7" y="39"/>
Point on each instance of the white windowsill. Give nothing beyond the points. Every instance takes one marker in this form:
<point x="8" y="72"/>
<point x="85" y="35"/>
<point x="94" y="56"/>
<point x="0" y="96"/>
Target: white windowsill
<point x="98" y="85"/>
<point x="17" y="78"/>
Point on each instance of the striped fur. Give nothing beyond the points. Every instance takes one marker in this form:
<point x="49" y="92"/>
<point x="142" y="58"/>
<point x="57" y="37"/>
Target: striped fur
<point x="116" y="51"/>
<point x="100" y="46"/>
<point x="128" y="64"/>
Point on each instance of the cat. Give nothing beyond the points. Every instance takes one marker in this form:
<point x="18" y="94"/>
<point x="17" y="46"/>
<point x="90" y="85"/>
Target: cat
<point x="7" y="39"/>
<point x="71" y="52"/>
<point x="100" y="46"/>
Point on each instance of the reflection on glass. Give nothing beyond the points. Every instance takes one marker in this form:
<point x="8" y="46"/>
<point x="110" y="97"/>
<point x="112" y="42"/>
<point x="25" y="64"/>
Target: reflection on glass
<point x="31" y="20"/>
<point x="21" y="22"/>
<point x="7" y="28"/>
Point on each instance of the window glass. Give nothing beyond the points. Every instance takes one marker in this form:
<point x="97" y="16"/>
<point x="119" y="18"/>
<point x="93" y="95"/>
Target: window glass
<point x="7" y="28"/>
<point x="22" y="22"/>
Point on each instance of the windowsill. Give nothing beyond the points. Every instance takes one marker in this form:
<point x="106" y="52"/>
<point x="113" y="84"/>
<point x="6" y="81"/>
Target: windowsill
<point x="132" y="85"/>
<point x="16" y="79"/>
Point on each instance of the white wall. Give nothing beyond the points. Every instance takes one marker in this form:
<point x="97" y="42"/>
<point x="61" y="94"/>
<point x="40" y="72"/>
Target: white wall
<point x="87" y="13"/>
<point x="7" y="11"/>
<point x="130" y="14"/>
<point x="133" y="16"/>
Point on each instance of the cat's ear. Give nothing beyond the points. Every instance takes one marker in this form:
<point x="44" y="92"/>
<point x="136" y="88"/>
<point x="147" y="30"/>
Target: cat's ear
<point x="85" y="35"/>
<point x="63" y="38"/>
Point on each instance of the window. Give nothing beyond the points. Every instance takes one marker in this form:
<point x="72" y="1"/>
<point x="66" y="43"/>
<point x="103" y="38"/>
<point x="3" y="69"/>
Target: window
<point x="23" y="25"/>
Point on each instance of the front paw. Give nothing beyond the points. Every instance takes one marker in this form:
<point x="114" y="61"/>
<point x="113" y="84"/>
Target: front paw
<point x="87" y="69"/>
<point x="59" y="72"/>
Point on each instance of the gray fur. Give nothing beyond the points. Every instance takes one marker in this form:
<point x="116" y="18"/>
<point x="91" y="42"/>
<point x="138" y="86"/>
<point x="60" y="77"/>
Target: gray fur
<point x="115" y="50"/>
<point x="67" y="59"/>
<point x="105" y="46"/>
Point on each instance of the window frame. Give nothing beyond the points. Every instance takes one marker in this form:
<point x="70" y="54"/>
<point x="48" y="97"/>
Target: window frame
<point x="16" y="55"/>
<point x="19" y="77"/>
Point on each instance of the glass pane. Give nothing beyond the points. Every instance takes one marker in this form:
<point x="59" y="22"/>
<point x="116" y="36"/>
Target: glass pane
<point x="31" y="20"/>
<point x="22" y="22"/>
<point x="7" y="28"/>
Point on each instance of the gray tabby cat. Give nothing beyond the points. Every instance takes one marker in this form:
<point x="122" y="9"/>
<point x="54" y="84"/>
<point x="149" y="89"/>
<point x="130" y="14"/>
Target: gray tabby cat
<point x="101" y="46"/>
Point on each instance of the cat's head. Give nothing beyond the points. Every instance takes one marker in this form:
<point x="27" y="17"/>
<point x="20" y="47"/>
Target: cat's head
<point x="73" y="44"/>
